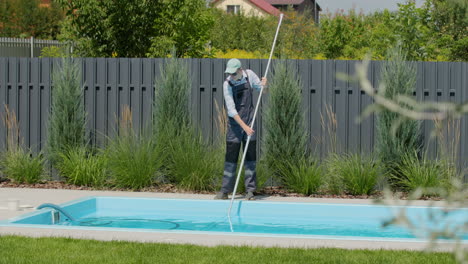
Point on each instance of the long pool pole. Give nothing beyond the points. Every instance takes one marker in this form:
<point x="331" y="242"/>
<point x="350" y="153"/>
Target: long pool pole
<point x="246" y="147"/>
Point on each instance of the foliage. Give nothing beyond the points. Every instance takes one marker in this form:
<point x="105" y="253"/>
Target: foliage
<point x="305" y="176"/>
<point x="379" y="34"/>
<point x="264" y="176"/>
<point x="341" y="34"/>
<point x="192" y="164"/>
<point x="100" y="28"/>
<point x="172" y="98"/>
<point x="16" y="162"/>
<point x="425" y="33"/>
<point x="53" y="52"/>
<point x="449" y="23"/>
<point x="27" y="18"/>
<point x="79" y="166"/>
<point x="240" y="54"/>
<point x="21" y="166"/>
<point x="334" y="182"/>
<point x="412" y="32"/>
<point x="414" y="173"/>
<point x="352" y="173"/>
<point x="242" y="32"/>
<point x="459" y="51"/>
<point x="455" y="197"/>
<point x="137" y="28"/>
<point x="133" y="160"/>
<point x="182" y="24"/>
<point x="449" y="17"/>
<point x="285" y="135"/>
<point x="67" y="120"/>
<point x="398" y="78"/>
<point x="298" y="36"/>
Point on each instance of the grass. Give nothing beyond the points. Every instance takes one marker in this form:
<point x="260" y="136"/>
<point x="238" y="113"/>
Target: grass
<point x="353" y="173"/>
<point x="193" y="165"/>
<point x="65" y="250"/>
<point x="424" y="173"/>
<point x="17" y="162"/>
<point x="21" y="166"/>
<point x="133" y="158"/>
<point x="134" y="161"/>
<point x="304" y="176"/>
<point x="80" y="167"/>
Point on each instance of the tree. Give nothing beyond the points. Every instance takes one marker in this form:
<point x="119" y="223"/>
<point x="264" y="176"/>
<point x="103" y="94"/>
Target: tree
<point x="101" y="28"/>
<point x="342" y="35"/>
<point x="449" y="21"/>
<point x="67" y="121"/>
<point x="242" y="32"/>
<point x="182" y="24"/>
<point x="399" y="78"/>
<point x="412" y="32"/>
<point x="298" y="36"/>
<point x="285" y="138"/>
<point x="136" y="28"/>
<point x="26" y="18"/>
<point x="449" y="17"/>
<point x="6" y="19"/>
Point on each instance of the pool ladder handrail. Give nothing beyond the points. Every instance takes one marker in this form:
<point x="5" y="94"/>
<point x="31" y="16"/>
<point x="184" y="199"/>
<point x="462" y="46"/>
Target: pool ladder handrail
<point x="58" y="208"/>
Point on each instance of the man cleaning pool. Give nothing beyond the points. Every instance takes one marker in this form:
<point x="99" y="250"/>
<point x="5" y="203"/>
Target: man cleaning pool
<point x="238" y="96"/>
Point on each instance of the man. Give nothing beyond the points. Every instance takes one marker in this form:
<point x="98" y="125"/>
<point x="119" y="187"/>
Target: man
<point x="238" y="95"/>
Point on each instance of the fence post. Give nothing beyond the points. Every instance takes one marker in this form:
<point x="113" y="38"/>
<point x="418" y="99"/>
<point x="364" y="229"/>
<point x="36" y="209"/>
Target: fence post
<point x="32" y="47"/>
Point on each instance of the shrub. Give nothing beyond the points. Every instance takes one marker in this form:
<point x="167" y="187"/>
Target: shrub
<point x="172" y="99"/>
<point x="240" y="54"/>
<point x="53" y="52"/>
<point x="253" y="33"/>
<point x="193" y="165"/>
<point x="352" y="173"/>
<point x="430" y="175"/>
<point x="17" y="163"/>
<point x="305" y="176"/>
<point x="67" y="120"/>
<point x="22" y="167"/>
<point x="184" y="24"/>
<point x="285" y="136"/>
<point x="80" y="167"/>
<point x="133" y="159"/>
<point x="397" y="136"/>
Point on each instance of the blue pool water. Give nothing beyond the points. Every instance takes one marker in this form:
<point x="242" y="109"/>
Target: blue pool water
<point x="247" y="217"/>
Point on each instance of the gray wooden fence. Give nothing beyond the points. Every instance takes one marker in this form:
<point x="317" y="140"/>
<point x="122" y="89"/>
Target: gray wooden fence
<point x="110" y="84"/>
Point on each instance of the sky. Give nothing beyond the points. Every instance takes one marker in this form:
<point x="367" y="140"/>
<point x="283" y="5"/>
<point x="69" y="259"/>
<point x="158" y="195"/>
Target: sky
<point x="367" y="6"/>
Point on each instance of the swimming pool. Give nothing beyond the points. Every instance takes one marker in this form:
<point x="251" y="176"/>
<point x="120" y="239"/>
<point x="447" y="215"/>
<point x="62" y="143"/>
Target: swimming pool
<point x="247" y="217"/>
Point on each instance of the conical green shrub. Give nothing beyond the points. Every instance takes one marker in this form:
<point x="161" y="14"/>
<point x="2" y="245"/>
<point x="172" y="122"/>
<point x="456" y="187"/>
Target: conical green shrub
<point x="284" y="142"/>
<point x="67" y="120"/>
<point x="395" y="136"/>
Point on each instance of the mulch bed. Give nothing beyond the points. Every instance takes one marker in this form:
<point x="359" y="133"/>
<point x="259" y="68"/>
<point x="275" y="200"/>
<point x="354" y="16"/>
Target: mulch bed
<point x="170" y="188"/>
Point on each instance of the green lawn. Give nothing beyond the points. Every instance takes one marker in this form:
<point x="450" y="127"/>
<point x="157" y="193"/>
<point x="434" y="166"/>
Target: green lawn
<point x="14" y="249"/>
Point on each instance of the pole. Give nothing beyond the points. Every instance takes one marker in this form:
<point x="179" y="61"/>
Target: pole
<point x="32" y="47"/>
<point x="254" y="116"/>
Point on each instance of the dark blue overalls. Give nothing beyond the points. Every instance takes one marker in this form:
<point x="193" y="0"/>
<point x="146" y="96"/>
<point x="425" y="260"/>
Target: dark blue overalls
<point x="243" y="99"/>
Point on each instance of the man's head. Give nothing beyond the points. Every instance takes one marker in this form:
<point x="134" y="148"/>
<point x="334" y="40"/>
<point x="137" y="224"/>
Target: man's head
<point x="233" y="67"/>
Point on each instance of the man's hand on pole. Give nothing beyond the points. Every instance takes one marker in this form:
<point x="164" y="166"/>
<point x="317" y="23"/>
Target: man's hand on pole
<point x="264" y="84"/>
<point x="248" y="130"/>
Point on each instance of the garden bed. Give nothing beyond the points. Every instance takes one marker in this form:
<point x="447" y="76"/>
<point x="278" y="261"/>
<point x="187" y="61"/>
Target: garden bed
<point x="170" y="188"/>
